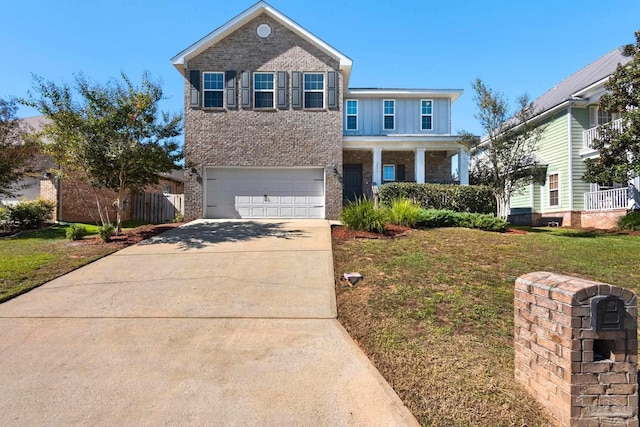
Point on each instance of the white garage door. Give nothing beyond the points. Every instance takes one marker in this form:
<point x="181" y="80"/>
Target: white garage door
<point x="264" y="193"/>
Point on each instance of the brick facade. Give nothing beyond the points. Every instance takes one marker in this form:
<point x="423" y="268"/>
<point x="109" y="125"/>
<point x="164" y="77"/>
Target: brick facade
<point x="248" y="137"/>
<point x="582" y="376"/>
<point x="602" y="220"/>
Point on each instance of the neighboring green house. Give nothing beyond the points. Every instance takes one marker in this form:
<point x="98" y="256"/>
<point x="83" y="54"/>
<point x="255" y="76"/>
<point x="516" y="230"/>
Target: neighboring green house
<point x="570" y="111"/>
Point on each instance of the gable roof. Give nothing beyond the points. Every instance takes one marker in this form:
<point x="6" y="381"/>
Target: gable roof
<point x="181" y="59"/>
<point x="571" y="88"/>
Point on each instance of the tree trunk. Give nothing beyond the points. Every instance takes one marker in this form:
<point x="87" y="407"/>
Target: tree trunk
<point x="503" y="201"/>
<point x="119" y="208"/>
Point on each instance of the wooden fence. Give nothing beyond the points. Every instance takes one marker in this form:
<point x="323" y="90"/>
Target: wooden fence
<point x="156" y="207"/>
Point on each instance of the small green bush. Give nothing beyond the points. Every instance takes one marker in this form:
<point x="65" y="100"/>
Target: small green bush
<point x="433" y="218"/>
<point x="630" y="221"/>
<point x="178" y="218"/>
<point x="28" y="215"/>
<point x="105" y="232"/>
<point x="444" y="218"/>
<point x="76" y="232"/>
<point x="404" y="212"/>
<point x="458" y="198"/>
<point x="363" y="215"/>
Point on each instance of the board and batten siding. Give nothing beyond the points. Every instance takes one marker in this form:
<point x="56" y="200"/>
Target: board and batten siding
<point x="579" y="123"/>
<point x="407" y="117"/>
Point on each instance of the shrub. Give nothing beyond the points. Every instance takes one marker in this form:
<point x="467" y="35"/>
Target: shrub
<point x="178" y="218"/>
<point x="76" y="232"/>
<point x="445" y="218"/>
<point x="630" y="221"/>
<point x="404" y="212"/>
<point x="28" y="215"/>
<point x="105" y="232"/>
<point x="458" y="198"/>
<point x="363" y="215"/>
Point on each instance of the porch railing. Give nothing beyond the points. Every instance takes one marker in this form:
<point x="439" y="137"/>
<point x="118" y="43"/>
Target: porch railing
<point x="606" y="200"/>
<point x="596" y="133"/>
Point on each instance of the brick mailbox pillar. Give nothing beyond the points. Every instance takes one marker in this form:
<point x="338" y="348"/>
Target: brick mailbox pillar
<point x="576" y="348"/>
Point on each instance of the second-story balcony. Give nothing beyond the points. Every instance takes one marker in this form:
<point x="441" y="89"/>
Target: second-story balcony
<point x="589" y="135"/>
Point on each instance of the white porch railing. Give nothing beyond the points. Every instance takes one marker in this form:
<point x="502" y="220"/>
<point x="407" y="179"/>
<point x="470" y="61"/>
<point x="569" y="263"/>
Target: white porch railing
<point x="594" y="133"/>
<point x="606" y="200"/>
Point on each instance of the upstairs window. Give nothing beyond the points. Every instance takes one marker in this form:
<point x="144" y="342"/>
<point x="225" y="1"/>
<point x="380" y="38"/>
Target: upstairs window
<point x="314" y="90"/>
<point x="263" y="90"/>
<point x="389" y="114"/>
<point x="352" y="114"/>
<point x="554" y="190"/>
<point x="426" y="114"/>
<point x="213" y="88"/>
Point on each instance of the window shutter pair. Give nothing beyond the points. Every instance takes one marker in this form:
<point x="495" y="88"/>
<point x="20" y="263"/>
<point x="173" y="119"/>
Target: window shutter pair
<point x="230" y="88"/>
<point x="297" y="90"/>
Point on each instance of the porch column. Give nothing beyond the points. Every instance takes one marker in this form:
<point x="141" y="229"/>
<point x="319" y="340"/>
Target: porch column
<point x="463" y="167"/>
<point x="377" y="167"/>
<point x="419" y="161"/>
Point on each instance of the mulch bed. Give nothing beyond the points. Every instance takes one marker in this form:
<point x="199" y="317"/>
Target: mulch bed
<point x="132" y="236"/>
<point x="390" y="231"/>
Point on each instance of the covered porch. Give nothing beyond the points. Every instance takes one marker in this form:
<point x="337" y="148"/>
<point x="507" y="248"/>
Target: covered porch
<point x="368" y="162"/>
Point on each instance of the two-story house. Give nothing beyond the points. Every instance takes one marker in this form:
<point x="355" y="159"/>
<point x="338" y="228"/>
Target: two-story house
<point x="272" y="130"/>
<point x="572" y="118"/>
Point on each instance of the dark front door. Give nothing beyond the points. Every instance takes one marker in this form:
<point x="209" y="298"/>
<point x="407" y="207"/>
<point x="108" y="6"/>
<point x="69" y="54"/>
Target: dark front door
<point x="352" y="181"/>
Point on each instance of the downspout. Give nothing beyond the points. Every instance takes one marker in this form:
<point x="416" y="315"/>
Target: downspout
<point x="570" y="168"/>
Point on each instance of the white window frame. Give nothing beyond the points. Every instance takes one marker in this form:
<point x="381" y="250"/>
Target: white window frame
<point x="166" y="188"/>
<point x="384" y="115"/>
<point x="351" y="115"/>
<point x="394" y="172"/>
<point x="304" y="91"/>
<point x="422" y="115"/>
<point x="549" y="190"/>
<point x="204" y="91"/>
<point x="273" y="91"/>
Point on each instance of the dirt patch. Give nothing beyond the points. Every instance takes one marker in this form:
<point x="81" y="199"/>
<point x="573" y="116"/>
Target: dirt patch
<point x="514" y="231"/>
<point x="390" y="230"/>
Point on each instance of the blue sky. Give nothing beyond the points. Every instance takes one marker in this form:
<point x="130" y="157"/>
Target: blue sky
<point x="514" y="46"/>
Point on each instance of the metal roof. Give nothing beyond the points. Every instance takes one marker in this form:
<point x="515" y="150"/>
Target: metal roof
<point x="593" y="73"/>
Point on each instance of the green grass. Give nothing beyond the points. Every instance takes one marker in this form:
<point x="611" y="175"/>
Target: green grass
<point x="435" y="311"/>
<point x="35" y="257"/>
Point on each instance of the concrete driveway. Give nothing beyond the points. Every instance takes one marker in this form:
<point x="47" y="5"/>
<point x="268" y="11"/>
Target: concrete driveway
<point x="214" y="323"/>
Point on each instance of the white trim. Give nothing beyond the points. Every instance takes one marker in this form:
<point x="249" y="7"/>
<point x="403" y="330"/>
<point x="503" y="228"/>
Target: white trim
<point x="273" y="91"/>
<point x="532" y="197"/>
<point x="212" y="90"/>
<point x="451" y="94"/>
<point x="304" y="90"/>
<point x="570" y="167"/>
<point x="392" y="115"/>
<point x="180" y="61"/>
<point x="422" y="115"/>
<point x="394" y="172"/>
<point x="548" y="187"/>
<point x="347" y="115"/>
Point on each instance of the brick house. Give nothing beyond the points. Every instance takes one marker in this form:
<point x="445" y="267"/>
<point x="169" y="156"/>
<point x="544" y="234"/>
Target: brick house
<point x="272" y="130"/>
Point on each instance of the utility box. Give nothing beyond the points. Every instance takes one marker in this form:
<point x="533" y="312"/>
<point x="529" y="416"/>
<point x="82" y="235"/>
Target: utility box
<point x="576" y="348"/>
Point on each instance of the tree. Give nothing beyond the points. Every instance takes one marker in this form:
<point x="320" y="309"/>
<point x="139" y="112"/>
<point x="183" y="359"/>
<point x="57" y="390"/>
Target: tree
<point x="16" y="149"/>
<point x="504" y="159"/>
<point x="113" y="133"/>
<point x="619" y="159"/>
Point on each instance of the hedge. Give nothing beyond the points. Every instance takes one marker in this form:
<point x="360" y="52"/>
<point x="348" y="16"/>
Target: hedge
<point x="458" y="198"/>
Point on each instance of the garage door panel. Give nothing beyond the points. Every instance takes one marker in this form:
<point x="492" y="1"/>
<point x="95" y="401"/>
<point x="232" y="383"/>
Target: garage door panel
<point x="240" y="193"/>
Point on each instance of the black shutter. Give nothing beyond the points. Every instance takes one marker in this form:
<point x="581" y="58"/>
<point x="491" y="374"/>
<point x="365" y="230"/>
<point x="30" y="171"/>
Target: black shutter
<point x="282" y="89"/>
<point x="232" y="94"/>
<point x="296" y="89"/>
<point x="245" y="83"/>
<point x="400" y="173"/>
<point x="332" y="87"/>
<point x="194" y="93"/>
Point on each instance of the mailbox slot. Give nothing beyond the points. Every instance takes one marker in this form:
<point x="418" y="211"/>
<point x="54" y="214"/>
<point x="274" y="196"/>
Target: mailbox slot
<point x="607" y="314"/>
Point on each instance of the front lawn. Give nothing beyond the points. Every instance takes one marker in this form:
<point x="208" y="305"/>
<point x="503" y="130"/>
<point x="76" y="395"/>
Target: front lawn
<point x="434" y="312"/>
